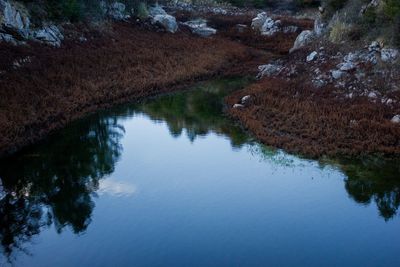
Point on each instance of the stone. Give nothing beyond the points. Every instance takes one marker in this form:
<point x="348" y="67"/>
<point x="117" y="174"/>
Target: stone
<point x="319" y="27"/>
<point x="156" y="10"/>
<point x="8" y="38"/>
<point x="346" y="66"/>
<point x="290" y="29"/>
<point x="117" y="11"/>
<point x="193" y="24"/>
<point x="395" y="119"/>
<point x="204" y="31"/>
<point x="389" y="55"/>
<point x="374" y="47"/>
<point x="168" y="22"/>
<point x="304" y="38"/>
<point x="270" y="27"/>
<point x="245" y="99"/>
<point x="241" y="27"/>
<point x="14" y="20"/>
<point x="259" y="21"/>
<point x="50" y="35"/>
<point x="268" y="70"/>
<point x="312" y="56"/>
<point x="337" y="74"/>
<point x="238" y="106"/>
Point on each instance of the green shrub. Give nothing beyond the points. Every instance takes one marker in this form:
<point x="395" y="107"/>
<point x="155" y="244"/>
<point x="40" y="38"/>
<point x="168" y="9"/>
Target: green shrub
<point x="392" y="9"/>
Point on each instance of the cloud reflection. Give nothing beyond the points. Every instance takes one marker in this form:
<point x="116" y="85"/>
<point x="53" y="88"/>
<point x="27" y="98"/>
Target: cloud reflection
<point x="116" y="188"/>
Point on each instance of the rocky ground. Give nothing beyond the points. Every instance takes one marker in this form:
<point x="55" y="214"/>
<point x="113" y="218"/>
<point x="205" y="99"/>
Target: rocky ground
<point x="311" y="97"/>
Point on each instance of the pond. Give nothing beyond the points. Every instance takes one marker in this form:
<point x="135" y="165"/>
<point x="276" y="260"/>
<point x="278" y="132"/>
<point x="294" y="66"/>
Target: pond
<point x="173" y="182"/>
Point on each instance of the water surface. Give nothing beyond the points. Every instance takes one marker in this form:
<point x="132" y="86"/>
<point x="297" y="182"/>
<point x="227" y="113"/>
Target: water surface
<point x="172" y="182"/>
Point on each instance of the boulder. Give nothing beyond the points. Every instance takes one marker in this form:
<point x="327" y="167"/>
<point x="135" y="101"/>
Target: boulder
<point x="304" y="38"/>
<point x="168" y="22"/>
<point x="50" y="35"/>
<point x="14" y="20"/>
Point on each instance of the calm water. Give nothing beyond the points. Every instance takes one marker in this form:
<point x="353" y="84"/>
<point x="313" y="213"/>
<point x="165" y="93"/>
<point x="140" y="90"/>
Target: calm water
<point x="172" y="182"/>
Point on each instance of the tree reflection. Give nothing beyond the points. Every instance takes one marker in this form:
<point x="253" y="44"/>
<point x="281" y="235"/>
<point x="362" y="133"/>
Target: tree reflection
<point x="374" y="180"/>
<point x="54" y="182"/>
<point x="198" y="112"/>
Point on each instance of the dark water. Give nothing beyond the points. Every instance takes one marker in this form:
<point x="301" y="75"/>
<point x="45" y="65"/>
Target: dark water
<point x="172" y="182"/>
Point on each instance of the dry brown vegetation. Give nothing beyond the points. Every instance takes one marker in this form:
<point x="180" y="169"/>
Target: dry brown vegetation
<point x="130" y="63"/>
<point x="293" y="116"/>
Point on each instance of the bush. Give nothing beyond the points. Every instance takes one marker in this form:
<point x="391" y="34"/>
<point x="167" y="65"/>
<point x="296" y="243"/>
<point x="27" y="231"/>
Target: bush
<point x="392" y="9"/>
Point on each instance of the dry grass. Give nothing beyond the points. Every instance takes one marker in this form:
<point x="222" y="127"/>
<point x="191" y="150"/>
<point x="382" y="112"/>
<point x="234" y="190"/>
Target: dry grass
<point x="295" y="117"/>
<point x="60" y="85"/>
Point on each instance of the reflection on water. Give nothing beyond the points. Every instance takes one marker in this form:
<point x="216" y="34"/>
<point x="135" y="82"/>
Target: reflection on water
<point x="55" y="184"/>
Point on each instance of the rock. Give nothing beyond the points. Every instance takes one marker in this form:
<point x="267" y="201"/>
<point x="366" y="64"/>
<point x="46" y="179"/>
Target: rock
<point x="258" y="21"/>
<point x="268" y="70"/>
<point x="304" y="38"/>
<point x="389" y="55"/>
<point x="238" y="106"/>
<point x="245" y="99"/>
<point x="241" y="27"/>
<point x="204" y="31"/>
<point x="372" y="95"/>
<point x="198" y="23"/>
<point x="312" y="56"/>
<point x="156" y="10"/>
<point x="8" y="38"/>
<point x="168" y="22"/>
<point x="346" y="66"/>
<point x="290" y="29"/>
<point x="337" y="74"/>
<point x="14" y="20"/>
<point x="374" y="47"/>
<point x="50" y="35"/>
<point x="319" y="27"/>
<point x="117" y="11"/>
<point x="395" y="119"/>
<point x="270" y="27"/>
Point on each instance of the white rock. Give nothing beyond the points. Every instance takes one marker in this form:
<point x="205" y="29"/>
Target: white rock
<point x="167" y="21"/>
<point x="395" y="119"/>
<point x="374" y="47"/>
<point x="50" y="35"/>
<point x="117" y="11"/>
<point x="346" y="66"/>
<point x="14" y="19"/>
<point x="259" y="21"/>
<point x="245" y="99"/>
<point x="312" y="56"/>
<point x="389" y="55"/>
<point x="304" y="38"/>
<point x="290" y="29"/>
<point x="268" y="70"/>
<point x="337" y="74"/>
<point x="238" y="106"/>
<point x="156" y="10"/>
<point x="204" y="31"/>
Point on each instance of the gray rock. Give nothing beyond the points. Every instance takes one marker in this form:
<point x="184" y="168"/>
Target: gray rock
<point x="374" y="47"/>
<point x="312" y="56"/>
<point x="346" y="66"/>
<point x="14" y="20"/>
<point x="395" y="119"/>
<point x="205" y="31"/>
<point x="259" y="21"/>
<point x="268" y="70"/>
<point x="8" y="38"/>
<point x="245" y="99"/>
<point x="156" y="10"/>
<point x="389" y="55"/>
<point x="168" y="22"/>
<point x="304" y="38"/>
<point x="290" y="29"/>
<point x="238" y="106"/>
<point x="49" y="35"/>
<point x="198" y="23"/>
<point x="241" y="27"/>
<point x="337" y="74"/>
<point x="319" y="27"/>
<point x="117" y="11"/>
